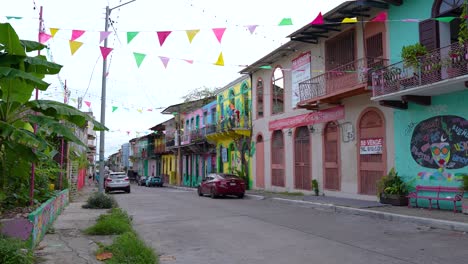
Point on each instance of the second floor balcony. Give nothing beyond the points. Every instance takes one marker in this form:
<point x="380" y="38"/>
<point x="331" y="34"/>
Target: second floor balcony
<point x="440" y="71"/>
<point x="344" y="81"/>
<point x="229" y="128"/>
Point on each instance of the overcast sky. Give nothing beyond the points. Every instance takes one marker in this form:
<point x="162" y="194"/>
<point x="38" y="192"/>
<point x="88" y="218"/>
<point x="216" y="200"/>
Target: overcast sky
<point x="134" y="90"/>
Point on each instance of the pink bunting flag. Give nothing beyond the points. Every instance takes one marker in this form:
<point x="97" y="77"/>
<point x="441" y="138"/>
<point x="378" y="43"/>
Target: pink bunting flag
<point x="87" y="103"/>
<point x="318" y="20"/>
<point x="380" y="17"/>
<point x="219" y="32"/>
<point x="76" y="34"/>
<point x="43" y="37"/>
<point x="103" y="35"/>
<point x="251" y="28"/>
<point x="165" y="61"/>
<point x="150" y="110"/>
<point x="128" y="132"/>
<point x="189" y="61"/>
<point x="162" y="35"/>
<point x="105" y="51"/>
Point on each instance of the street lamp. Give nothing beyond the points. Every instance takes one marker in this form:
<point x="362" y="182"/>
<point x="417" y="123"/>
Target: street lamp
<point x="103" y="101"/>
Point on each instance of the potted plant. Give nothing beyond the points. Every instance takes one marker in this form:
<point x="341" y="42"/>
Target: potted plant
<point x="316" y="188"/>
<point x="411" y="59"/>
<point x="465" y="197"/>
<point x="392" y="190"/>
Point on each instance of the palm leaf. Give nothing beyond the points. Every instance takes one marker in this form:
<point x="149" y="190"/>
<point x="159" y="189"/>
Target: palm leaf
<point x="9" y="41"/>
<point x="31" y="45"/>
<point x="53" y="126"/>
<point x="40" y="65"/>
<point x="20" y="136"/>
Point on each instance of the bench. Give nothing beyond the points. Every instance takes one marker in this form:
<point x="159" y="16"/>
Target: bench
<point x="443" y="193"/>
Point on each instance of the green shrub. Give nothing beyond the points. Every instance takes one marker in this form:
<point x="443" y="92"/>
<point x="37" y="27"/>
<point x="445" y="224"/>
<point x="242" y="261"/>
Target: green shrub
<point x="117" y="222"/>
<point x="465" y="183"/>
<point x="100" y="200"/>
<point x="129" y="248"/>
<point x="13" y="251"/>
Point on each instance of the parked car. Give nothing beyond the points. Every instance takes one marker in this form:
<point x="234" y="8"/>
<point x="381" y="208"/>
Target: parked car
<point x="155" y="181"/>
<point x="221" y="184"/>
<point x="117" y="181"/>
<point x="142" y="180"/>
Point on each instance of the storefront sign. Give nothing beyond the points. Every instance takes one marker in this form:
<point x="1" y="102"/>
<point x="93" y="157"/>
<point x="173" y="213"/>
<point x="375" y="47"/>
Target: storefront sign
<point x="300" y="72"/>
<point x="323" y="116"/>
<point x="371" y="146"/>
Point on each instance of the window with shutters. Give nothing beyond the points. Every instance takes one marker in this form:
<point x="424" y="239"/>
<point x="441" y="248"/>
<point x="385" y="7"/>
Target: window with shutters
<point x="340" y="50"/>
<point x="277" y="91"/>
<point x="259" y="98"/>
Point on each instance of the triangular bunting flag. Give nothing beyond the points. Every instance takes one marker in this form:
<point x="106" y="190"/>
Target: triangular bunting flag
<point x="380" y="17"/>
<point x="140" y="110"/>
<point x="219" y="32"/>
<point x="349" y="20"/>
<point x="43" y="37"/>
<point x="267" y="67"/>
<point x="220" y="61"/>
<point x="87" y="103"/>
<point x="150" y="110"/>
<point x="103" y="35"/>
<point x="445" y="19"/>
<point x="285" y="22"/>
<point x="131" y="35"/>
<point x="74" y="46"/>
<point x="76" y="34"/>
<point x="251" y="28"/>
<point x="105" y="51"/>
<point x="13" y="17"/>
<point x="74" y="100"/>
<point x="139" y="57"/>
<point x="162" y="35"/>
<point x="191" y="34"/>
<point x="114" y="108"/>
<point x="128" y="132"/>
<point x="318" y="20"/>
<point x="189" y="61"/>
<point x="53" y="31"/>
<point x="164" y="60"/>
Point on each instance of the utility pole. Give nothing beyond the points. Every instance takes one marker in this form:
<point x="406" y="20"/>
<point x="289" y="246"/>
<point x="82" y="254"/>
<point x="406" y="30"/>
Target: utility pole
<point x="65" y="99"/>
<point x="103" y="100"/>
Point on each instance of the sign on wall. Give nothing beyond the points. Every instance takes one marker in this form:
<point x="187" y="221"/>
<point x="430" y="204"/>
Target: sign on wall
<point x="323" y="116"/>
<point x="371" y="146"/>
<point x="300" y="72"/>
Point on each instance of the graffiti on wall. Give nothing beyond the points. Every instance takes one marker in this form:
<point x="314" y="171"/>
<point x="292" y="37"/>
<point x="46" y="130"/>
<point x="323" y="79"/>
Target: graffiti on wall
<point x="440" y="143"/>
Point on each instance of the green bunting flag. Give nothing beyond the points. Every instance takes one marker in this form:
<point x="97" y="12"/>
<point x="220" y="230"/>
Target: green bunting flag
<point x="445" y="19"/>
<point x="285" y="22"/>
<point x="114" y="108"/>
<point x="267" y="67"/>
<point x="131" y="35"/>
<point x="139" y="57"/>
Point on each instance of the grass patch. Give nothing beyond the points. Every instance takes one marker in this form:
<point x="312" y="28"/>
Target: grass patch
<point x="129" y="248"/>
<point x="14" y="251"/>
<point x="115" y="223"/>
<point x="291" y="193"/>
<point x="100" y="200"/>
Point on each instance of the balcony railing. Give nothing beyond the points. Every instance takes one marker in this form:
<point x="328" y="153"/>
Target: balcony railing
<point x="440" y="64"/>
<point x="228" y="124"/>
<point x="170" y="141"/>
<point x="339" y="79"/>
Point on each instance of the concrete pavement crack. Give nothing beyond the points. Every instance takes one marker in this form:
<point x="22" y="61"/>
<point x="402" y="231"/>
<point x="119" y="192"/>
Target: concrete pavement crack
<point x="61" y="238"/>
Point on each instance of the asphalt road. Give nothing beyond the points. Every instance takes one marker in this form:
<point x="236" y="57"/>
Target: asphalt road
<point x="185" y="228"/>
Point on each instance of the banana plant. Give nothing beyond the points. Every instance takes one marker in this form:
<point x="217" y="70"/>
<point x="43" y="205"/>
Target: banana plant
<point x="20" y="75"/>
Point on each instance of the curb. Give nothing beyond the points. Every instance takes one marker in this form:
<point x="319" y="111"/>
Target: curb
<point x="251" y="196"/>
<point x="435" y="223"/>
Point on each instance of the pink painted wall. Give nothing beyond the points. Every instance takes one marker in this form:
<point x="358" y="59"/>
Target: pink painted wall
<point x="189" y="116"/>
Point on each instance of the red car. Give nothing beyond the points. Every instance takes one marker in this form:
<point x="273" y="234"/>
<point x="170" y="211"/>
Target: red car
<point x="221" y="184"/>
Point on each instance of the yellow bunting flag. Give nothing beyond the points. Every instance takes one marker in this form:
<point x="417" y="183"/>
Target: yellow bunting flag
<point x="74" y="46"/>
<point x="220" y="61"/>
<point x="53" y="31"/>
<point x="191" y="34"/>
<point x="349" y="20"/>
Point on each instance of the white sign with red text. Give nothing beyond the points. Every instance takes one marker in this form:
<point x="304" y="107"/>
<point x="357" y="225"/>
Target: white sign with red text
<point x="300" y="72"/>
<point x="371" y="146"/>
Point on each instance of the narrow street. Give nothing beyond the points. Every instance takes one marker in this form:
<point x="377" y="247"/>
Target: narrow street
<point x="194" y="230"/>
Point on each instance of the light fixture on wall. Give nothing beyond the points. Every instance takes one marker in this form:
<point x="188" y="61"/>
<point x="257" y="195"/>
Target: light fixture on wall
<point x="290" y="132"/>
<point x="311" y="128"/>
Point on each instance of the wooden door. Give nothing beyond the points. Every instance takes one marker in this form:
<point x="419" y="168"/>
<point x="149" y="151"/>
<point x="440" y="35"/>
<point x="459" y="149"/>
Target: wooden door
<point x="331" y="163"/>
<point x="277" y="159"/>
<point x="260" y="163"/>
<point x="302" y="160"/>
<point x="371" y="166"/>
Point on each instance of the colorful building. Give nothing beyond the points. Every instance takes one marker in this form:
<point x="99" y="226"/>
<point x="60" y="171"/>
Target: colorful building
<point x="232" y="132"/>
<point x="428" y="98"/>
<point x="313" y="116"/>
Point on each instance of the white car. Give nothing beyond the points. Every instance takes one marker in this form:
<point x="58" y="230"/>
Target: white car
<point x="117" y="181"/>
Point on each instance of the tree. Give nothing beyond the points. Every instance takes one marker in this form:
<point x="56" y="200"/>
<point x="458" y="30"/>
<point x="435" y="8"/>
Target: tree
<point x="200" y="93"/>
<point x="20" y="146"/>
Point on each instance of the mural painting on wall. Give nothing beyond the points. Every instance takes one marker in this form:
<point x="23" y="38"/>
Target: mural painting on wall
<point x="441" y="143"/>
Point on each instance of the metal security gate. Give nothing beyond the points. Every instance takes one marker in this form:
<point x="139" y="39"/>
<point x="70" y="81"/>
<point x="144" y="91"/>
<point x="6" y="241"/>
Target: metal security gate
<point x="302" y="160"/>
<point x="372" y="166"/>
<point x="277" y="159"/>
<point x="331" y="140"/>
<point x="260" y="163"/>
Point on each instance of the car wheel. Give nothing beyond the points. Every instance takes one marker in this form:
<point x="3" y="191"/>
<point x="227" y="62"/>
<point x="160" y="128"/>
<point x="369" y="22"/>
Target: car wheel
<point x="213" y="193"/>
<point x="128" y="190"/>
<point x="199" y="191"/>
<point x="240" y="196"/>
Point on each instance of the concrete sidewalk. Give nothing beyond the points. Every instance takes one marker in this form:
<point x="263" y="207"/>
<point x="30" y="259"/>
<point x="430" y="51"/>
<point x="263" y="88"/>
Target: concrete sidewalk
<point x="65" y="242"/>
<point x="441" y="219"/>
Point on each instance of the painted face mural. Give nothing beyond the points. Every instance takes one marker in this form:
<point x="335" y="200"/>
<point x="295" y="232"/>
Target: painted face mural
<point x="441" y="143"/>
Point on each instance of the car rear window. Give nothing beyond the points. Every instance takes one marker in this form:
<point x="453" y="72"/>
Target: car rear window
<point x="118" y="176"/>
<point x="228" y="176"/>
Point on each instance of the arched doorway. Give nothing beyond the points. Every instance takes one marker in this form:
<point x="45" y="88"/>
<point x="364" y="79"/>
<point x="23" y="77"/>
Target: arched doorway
<point x="260" y="163"/>
<point x="372" y="163"/>
<point x="302" y="160"/>
<point x="277" y="159"/>
<point x="331" y="150"/>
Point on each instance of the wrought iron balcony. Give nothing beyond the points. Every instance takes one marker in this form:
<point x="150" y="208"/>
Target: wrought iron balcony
<point x="403" y="78"/>
<point x="340" y="80"/>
